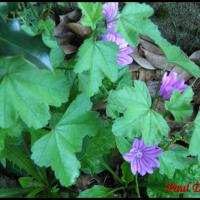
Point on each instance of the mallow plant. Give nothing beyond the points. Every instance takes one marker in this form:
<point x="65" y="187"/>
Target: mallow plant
<point x="54" y="114"/>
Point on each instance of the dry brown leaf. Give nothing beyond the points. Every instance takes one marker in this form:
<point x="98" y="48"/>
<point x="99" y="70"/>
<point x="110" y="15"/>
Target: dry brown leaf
<point x="184" y="75"/>
<point x="133" y="67"/>
<point x="150" y="47"/>
<point x="79" y="29"/>
<point x="68" y="48"/>
<point x="195" y="57"/>
<point x="146" y="75"/>
<point x="70" y="33"/>
<point x="135" y="75"/>
<point x="157" y="61"/>
<point x="72" y="16"/>
<point x="142" y="61"/>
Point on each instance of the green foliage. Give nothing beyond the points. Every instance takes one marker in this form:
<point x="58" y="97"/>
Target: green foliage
<point x="57" y="148"/>
<point x="96" y="191"/>
<point x="16" y="42"/>
<point x="180" y="104"/>
<point x="22" y="81"/>
<point x="3" y="9"/>
<point x="13" y="192"/>
<point x="51" y="133"/>
<point x="138" y="115"/>
<point x="172" y="160"/>
<point x="195" y="139"/>
<point x="95" y="57"/>
<point x="99" y="146"/>
<point x="123" y="144"/>
<point x="127" y="176"/>
<point x="19" y="158"/>
<point x="134" y="20"/>
<point x="92" y="13"/>
<point x="156" y="186"/>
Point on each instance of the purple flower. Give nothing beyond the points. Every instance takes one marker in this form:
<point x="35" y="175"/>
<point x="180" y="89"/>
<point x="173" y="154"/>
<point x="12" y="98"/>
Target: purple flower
<point x="110" y="11"/>
<point x="143" y="158"/>
<point x="123" y="57"/>
<point x="169" y="84"/>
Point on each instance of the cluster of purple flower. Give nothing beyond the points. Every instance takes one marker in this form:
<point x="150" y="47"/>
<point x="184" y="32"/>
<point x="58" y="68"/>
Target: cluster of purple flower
<point x="141" y="157"/>
<point x="110" y="11"/>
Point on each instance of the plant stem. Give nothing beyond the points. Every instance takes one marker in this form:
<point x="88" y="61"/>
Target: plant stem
<point x="137" y="186"/>
<point x="117" y="189"/>
<point x="104" y="88"/>
<point x="113" y="173"/>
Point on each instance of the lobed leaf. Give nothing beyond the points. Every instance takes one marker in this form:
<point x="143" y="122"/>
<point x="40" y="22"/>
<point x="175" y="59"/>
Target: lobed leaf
<point x="92" y="13"/>
<point x="139" y="118"/>
<point x="180" y="104"/>
<point x="58" y="148"/>
<point x="27" y="92"/>
<point x="96" y="59"/>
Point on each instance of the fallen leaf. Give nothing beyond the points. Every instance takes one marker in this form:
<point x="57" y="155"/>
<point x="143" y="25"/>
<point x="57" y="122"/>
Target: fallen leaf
<point x="158" y="61"/>
<point x="133" y="67"/>
<point x="79" y="29"/>
<point x="150" y="47"/>
<point x="142" y="61"/>
<point x="195" y="57"/>
<point x="70" y="33"/>
<point x="146" y="75"/>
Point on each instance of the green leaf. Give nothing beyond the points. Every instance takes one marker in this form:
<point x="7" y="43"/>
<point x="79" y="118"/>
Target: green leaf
<point x="135" y="104"/>
<point x="137" y="12"/>
<point x="13" y="192"/>
<point x="195" y="139"/>
<point x="47" y="27"/>
<point x="99" y="146"/>
<point x="123" y="144"/>
<point x="56" y="53"/>
<point x="97" y="191"/>
<point x="98" y="59"/>
<point x="27" y="92"/>
<point x="172" y="160"/>
<point x="92" y="13"/>
<point x="124" y="79"/>
<point x="127" y="175"/>
<point x="21" y="160"/>
<point x="156" y="186"/>
<point x="28" y="182"/>
<point x="2" y="141"/>
<point x="56" y="56"/>
<point x="134" y="21"/>
<point x="16" y="42"/>
<point x="14" y="131"/>
<point x="59" y="147"/>
<point x="36" y="134"/>
<point x="180" y="104"/>
<point x="3" y="9"/>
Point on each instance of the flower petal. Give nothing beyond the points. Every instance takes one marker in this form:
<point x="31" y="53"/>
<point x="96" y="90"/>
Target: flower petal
<point x="128" y="156"/>
<point x="153" y="162"/>
<point x="133" y="168"/>
<point x="110" y="10"/>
